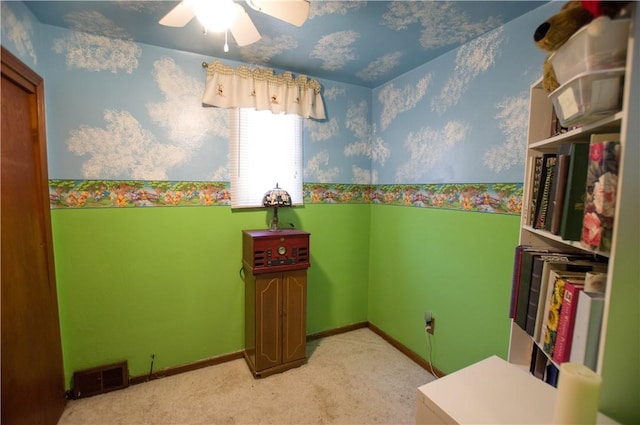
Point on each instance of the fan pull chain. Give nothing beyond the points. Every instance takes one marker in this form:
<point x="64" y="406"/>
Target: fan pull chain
<point x="226" y="44"/>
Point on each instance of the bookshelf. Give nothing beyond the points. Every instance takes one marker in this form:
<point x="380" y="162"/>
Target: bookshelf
<point x="619" y="348"/>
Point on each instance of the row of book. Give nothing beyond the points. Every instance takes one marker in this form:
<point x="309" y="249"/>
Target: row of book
<point x="574" y="191"/>
<point x="542" y="368"/>
<point x="557" y="298"/>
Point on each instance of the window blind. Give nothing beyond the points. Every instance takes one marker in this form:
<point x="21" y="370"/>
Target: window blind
<point x="265" y="149"/>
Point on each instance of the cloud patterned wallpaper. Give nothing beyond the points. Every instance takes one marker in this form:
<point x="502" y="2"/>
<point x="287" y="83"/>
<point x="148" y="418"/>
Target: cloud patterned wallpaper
<point x="124" y="111"/>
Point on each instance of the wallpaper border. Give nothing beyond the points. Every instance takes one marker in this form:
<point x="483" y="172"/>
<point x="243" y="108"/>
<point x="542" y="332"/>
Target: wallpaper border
<point x="498" y="198"/>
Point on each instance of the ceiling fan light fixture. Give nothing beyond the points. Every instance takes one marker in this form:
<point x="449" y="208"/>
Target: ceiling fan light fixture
<point x="215" y="16"/>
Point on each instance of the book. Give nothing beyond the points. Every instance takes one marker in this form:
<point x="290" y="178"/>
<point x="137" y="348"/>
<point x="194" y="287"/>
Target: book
<point x="586" y="331"/>
<point x="538" y="187"/>
<point x="536" y="283"/>
<point x="558" y="190"/>
<point x="563" y="149"/>
<point x="534" y="294"/>
<point x="573" y="209"/>
<point x="553" y="318"/>
<point x="553" y="304"/>
<point x="538" y="362"/>
<point x="535" y="180"/>
<point x="551" y="377"/>
<point x="515" y="279"/>
<point x="564" y="333"/>
<point x="524" y="285"/>
<point x="569" y="262"/>
<point x="544" y="192"/>
<point x="601" y="188"/>
<point x="547" y="267"/>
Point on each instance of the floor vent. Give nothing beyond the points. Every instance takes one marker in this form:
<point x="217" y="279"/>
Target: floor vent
<point x="100" y="380"/>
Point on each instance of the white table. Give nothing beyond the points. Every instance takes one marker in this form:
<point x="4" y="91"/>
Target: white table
<point x="491" y="391"/>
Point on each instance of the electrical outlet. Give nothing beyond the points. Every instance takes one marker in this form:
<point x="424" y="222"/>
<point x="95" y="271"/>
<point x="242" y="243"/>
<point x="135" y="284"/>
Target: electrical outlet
<point x="429" y="321"/>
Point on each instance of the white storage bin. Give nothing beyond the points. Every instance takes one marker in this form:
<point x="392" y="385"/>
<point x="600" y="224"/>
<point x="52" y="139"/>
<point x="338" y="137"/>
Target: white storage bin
<point x="586" y="51"/>
<point x="589" y="97"/>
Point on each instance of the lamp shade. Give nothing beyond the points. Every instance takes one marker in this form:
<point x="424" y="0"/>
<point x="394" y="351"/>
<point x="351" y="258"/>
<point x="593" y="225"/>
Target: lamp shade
<point x="276" y="197"/>
<point x="215" y="16"/>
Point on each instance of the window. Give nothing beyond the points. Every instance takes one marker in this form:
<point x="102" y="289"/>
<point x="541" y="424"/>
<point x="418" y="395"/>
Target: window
<point x="265" y="149"/>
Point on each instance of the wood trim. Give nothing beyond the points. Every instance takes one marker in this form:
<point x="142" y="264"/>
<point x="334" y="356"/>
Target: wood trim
<point x="337" y="331"/>
<point x="407" y="352"/>
<point x="14" y="69"/>
<point x="138" y="379"/>
<point x="239" y="354"/>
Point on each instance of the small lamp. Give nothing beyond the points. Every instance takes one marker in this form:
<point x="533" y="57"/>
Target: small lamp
<point x="275" y="198"/>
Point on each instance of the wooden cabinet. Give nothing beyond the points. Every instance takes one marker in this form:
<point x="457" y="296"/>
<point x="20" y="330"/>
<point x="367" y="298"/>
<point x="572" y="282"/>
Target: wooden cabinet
<point x="275" y="265"/>
<point x="275" y="321"/>
<point x="618" y="351"/>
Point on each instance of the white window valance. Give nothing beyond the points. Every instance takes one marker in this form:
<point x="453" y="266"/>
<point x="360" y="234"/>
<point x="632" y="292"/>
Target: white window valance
<point x="260" y="88"/>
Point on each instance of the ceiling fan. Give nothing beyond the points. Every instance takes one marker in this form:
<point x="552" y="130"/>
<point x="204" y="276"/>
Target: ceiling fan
<point x="223" y="15"/>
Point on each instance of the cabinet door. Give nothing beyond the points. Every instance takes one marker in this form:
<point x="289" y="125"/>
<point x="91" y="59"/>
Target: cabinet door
<point x="268" y="320"/>
<point x="294" y="317"/>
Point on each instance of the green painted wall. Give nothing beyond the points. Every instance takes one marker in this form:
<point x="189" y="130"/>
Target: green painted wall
<point x="457" y="265"/>
<point x="139" y="281"/>
<point x="338" y="277"/>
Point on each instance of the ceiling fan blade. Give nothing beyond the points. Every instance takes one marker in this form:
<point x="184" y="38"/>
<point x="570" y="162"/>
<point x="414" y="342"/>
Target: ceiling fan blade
<point x="243" y="30"/>
<point x="179" y="16"/>
<point x="294" y="12"/>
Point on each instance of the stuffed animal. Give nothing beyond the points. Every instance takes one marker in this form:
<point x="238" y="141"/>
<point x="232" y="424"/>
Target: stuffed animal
<point x="553" y="33"/>
<point x="556" y="30"/>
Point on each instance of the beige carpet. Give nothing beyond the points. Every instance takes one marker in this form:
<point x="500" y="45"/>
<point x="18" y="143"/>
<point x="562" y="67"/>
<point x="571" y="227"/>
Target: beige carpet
<point x="350" y="378"/>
